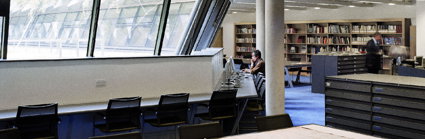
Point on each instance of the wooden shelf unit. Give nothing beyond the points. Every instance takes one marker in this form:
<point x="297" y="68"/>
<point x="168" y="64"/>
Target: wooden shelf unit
<point x="245" y="39"/>
<point x="298" y="32"/>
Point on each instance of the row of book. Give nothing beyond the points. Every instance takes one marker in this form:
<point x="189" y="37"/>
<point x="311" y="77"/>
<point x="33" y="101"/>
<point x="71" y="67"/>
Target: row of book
<point x="313" y="28"/>
<point x="364" y="29"/>
<point x="392" y="40"/>
<point x="245" y="49"/>
<point x="390" y="28"/>
<point x="361" y="40"/>
<point x="339" y="29"/>
<point x="246" y="30"/>
<point x="328" y="40"/>
<point x="245" y="40"/>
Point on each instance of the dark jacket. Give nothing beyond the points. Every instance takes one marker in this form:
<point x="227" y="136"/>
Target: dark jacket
<point x="373" y="58"/>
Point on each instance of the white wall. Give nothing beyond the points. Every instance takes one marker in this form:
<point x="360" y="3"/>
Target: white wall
<point x="420" y="28"/>
<point x="74" y="81"/>
<point x="380" y="11"/>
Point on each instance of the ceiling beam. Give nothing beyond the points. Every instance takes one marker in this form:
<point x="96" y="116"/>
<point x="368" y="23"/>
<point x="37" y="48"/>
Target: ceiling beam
<point x="310" y="5"/>
<point x="334" y="2"/>
<point x="398" y="2"/>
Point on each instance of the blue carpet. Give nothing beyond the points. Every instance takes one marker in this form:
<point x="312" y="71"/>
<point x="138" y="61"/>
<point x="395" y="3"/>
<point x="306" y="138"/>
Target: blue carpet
<point x="303" y="106"/>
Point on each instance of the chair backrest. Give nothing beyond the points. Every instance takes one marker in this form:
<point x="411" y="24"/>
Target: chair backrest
<point x="173" y="108"/>
<point x="257" y="88"/>
<point x="258" y="79"/>
<point x="262" y="92"/>
<point x="11" y="133"/>
<point x="273" y="122"/>
<point x="123" y="110"/>
<point x="223" y="103"/>
<point x="37" y="120"/>
<point x="131" y="135"/>
<point x="200" y="131"/>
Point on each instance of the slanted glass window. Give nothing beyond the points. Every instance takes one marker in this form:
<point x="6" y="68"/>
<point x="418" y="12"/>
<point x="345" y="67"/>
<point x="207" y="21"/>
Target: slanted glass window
<point x="127" y="28"/>
<point x="53" y="29"/>
<point x="178" y="22"/>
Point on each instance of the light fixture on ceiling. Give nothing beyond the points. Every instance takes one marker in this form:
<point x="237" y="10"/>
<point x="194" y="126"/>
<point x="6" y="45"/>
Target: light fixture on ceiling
<point x="351" y="6"/>
<point x="286" y="9"/>
<point x="391" y="4"/>
<point x="317" y="8"/>
<point x="234" y="12"/>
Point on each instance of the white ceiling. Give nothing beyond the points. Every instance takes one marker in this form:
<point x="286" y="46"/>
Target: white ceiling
<point x="249" y="5"/>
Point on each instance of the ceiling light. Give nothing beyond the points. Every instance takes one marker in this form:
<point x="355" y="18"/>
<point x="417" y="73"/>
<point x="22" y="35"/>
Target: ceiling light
<point x="235" y="12"/>
<point x="391" y="4"/>
<point x="351" y="6"/>
<point x="286" y="9"/>
<point x="317" y="8"/>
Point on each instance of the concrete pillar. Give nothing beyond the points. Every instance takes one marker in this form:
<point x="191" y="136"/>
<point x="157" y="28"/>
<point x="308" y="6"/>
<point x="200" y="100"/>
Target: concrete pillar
<point x="420" y="28"/>
<point x="260" y="21"/>
<point x="275" y="88"/>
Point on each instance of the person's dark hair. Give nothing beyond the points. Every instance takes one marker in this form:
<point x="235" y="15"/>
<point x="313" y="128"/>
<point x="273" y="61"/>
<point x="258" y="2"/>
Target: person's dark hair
<point x="377" y="34"/>
<point x="257" y="53"/>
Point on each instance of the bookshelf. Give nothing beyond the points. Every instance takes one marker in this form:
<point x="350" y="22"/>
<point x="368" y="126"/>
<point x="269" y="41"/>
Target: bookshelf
<point x="306" y="38"/>
<point x="245" y="39"/>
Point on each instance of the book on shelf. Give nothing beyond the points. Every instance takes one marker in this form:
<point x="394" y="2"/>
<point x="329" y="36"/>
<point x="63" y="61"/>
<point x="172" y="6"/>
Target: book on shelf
<point x="245" y="40"/>
<point x="245" y="30"/>
<point x="361" y="40"/>
<point x="364" y="29"/>
<point x="390" y="29"/>
<point x="339" y="29"/>
<point x="318" y="40"/>
<point x="245" y="49"/>
<point x="392" y="40"/>
<point x="301" y="39"/>
<point x="313" y="28"/>
<point x="339" y="40"/>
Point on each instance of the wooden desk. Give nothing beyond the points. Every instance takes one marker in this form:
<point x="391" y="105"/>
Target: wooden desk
<point x="304" y="132"/>
<point x="247" y="90"/>
<point x="294" y="64"/>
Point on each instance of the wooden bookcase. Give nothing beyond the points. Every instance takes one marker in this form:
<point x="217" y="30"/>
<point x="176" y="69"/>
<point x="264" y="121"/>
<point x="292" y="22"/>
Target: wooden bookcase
<point x="245" y="38"/>
<point x="306" y="38"/>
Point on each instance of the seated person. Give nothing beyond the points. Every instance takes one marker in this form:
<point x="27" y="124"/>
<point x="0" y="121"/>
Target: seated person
<point x="257" y="63"/>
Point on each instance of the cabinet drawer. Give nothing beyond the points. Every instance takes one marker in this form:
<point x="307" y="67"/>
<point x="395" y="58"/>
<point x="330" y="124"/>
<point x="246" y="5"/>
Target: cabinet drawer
<point x="366" y="125"/>
<point x="348" y="128"/>
<point x="398" y="121"/>
<point x="364" y="106"/>
<point x="356" y="70"/>
<point x="398" y="101"/>
<point x="360" y="96"/>
<point x="401" y="112"/>
<point x="397" y="131"/>
<point x="350" y="58"/>
<point x="399" y="91"/>
<point x="356" y="114"/>
<point x="341" y="67"/>
<point x="352" y="86"/>
<point x="351" y="62"/>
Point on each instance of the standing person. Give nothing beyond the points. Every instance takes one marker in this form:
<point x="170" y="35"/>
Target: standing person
<point x="374" y="56"/>
<point x="257" y="63"/>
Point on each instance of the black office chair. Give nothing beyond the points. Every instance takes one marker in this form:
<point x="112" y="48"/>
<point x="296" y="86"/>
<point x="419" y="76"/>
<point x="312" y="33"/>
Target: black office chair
<point x="122" y="114"/>
<point x="274" y="122"/>
<point x="131" y="135"/>
<point x="38" y="121"/>
<point x="200" y="131"/>
<point x="11" y="133"/>
<point x="172" y="110"/>
<point x="257" y="104"/>
<point x="260" y="83"/>
<point x="258" y="80"/>
<point x="222" y="106"/>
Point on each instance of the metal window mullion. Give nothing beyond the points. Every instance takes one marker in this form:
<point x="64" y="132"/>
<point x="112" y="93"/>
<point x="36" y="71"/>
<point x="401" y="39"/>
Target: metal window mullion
<point x="162" y="27"/>
<point x="4" y="37"/>
<point x="93" y="28"/>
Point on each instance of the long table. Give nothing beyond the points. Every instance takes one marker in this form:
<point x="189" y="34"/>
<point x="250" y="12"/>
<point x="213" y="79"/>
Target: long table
<point x="303" y="132"/>
<point x="245" y="91"/>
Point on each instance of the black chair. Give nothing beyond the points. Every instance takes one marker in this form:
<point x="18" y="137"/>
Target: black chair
<point x="172" y="110"/>
<point x="131" y="135"/>
<point x="38" y="121"/>
<point x="222" y="105"/>
<point x="274" y="122"/>
<point x="200" y="131"/>
<point x="122" y="114"/>
<point x="257" y="104"/>
<point x="260" y="83"/>
<point x="257" y="80"/>
<point x="11" y="133"/>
